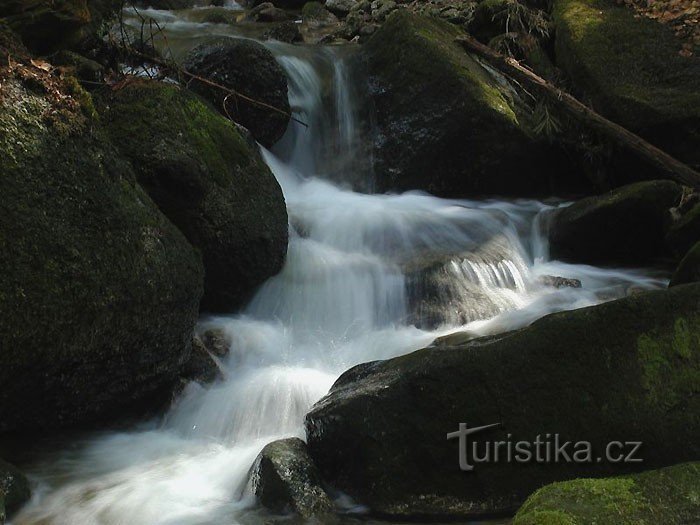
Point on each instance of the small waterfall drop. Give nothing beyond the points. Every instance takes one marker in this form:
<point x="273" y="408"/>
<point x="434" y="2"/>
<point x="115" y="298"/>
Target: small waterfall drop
<point x="367" y="277"/>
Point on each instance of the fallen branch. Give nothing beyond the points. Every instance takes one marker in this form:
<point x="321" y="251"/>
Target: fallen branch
<point x="511" y="68"/>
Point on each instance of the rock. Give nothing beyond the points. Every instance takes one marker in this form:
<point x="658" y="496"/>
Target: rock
<point x="630" y="69"/>
<point x="382" y="8"/>
<point x="46" y="25"/>
<point x="559" y="282"/>
<point x="171" y="5"/>
<point x="267" y="12"/>
<point x="688" y="270"/>
<point x="627" y="370"/>
<point x="340" y="7"/>
<point x="248" y="68"/>
<point x="445" y="124"/>
<point x="99" y="291"/>
<point x="207" y="349"/>
<point x="208" y="180"/>
<point x="214" y="15"/>
<point x="667" y="496"/>
<point x="286" y="480"/>
<point x="625" y="226"/>
<point x="88" y="71"/>
<point x="315" y="15"/>
<point x="285" y="32"/>
<point x="14" y="489"/>
<point x="685" y="231"/>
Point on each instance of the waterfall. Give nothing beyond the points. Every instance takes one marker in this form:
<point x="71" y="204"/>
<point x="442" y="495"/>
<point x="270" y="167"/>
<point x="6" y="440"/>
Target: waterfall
<point x="367" y="277"/>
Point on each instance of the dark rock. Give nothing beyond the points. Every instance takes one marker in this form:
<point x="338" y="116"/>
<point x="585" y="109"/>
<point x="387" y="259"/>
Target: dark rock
<point x="559" y="282"/>
<point x="625" y="226"/>
<point x="628" y="370"/>
<point x="340" y="7"/>
<point x="214" y="15"/>
<point x="88" y="71"/>
<point x="665" y="496"/>
<point x="171" y="5"/>
<point x="208" y="181"/>
<point x="207" y="349"/>
<point x="267" y="12"/>
<point x="447" y="125"/>
<point x="99" y="290"/>
<point x="250" y="69"/>
<point x="285" y="480"/>
<point x="688" y="270"/>
<point x="497" y="17"/>
<point x="630" y="69"/>
<point x="285" y="32"/>
<point x="14" y="489"/>
<point x="685" y="231"/>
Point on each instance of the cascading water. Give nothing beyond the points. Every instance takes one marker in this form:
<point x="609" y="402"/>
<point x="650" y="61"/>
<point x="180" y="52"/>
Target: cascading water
<point x="361" y="273"/>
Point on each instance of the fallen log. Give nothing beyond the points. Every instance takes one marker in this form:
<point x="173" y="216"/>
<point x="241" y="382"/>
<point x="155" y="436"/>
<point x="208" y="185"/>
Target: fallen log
<point x="621" y="136"/>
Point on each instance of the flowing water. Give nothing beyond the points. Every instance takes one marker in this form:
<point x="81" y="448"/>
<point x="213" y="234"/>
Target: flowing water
<point x="362" y="272"/>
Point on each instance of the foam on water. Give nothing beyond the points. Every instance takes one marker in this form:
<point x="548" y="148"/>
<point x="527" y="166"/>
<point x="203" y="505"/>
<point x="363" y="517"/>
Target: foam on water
<point x="344" y="297"/>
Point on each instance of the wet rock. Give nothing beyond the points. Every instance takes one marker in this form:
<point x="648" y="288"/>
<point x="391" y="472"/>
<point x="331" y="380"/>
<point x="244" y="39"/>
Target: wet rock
<point x="208" y="181"/>
<point x="625" y="226"/>
<point x="207" y="349"/>
<point x="285" y="480"/>
<point x="99" y="290"/>
<point x="267" y="12"/>
<point x="14" y="490"/>
<point x="247" y="67"/>
<point x="214" y="15"/>
<point x="315" y="15"/>
<point x="666" y="496"/>
<point x="627" y="370"/>
<point x="170" y="5"/>
<point x="445" y="124"/>
<point x="559" y="282"/>
<point x="286" y="32"/>
<point x="630" y="69"/>
<point x="688" y="270"/>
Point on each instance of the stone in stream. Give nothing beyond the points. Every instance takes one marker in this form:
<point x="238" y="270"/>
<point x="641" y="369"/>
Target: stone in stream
<point x="14" y="489"/>
<point x="340" y="7"/>
<point x="630" y="68"/>
<point x="668" y="496"/>
<point x="684" y="232"/>
<point x="688" y="270"/>
<point x="250" y="69"/>
<point x="208" y="348"/>
<point x="285" y="480"/>
<point x="628" y="370"/>
<point x="624" y="226"/>
<point x="314" y="15"/>
<point x="99" y="290"/>
<point x="447" y="125"/>
<point x="285" y="32"/>
<point x="208" y="180"/>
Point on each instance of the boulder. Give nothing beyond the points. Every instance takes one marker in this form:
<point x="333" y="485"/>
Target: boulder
<point x="208" y="348"/>
<point x="340" y="7"/>
<point x="248" y="68"/>
<point x="667" y="496"/>
<point x="314" y="14"/>
<point x="99" y="290"/>
<point x="285" y="480"/>
<point x="447" y="125"/>
<point x="169" y="4"/>
<point x="688" y="270"/>
<point x="627" y="371"/>
<point x="630" y="69"/>
<point x="14" y="489"/>
<point x="267" y="12"/>
<point x="214" y="15"/>
<point x="285" y="32"/>
<point x="46" y="25"/>
<point x="208" y="180"/>
<point x="624" y="226"/>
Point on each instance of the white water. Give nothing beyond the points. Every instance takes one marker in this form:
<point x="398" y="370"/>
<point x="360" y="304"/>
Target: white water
<point x="341" y="299"/>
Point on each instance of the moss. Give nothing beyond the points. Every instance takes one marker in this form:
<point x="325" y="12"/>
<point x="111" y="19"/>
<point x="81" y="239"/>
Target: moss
<point x="630" y="67"/>
<point x="214" y="15"/>
<point x="670" y="496"/>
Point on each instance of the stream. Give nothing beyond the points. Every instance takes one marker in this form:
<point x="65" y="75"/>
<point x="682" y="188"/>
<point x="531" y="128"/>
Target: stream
<point x="343" y="298"/>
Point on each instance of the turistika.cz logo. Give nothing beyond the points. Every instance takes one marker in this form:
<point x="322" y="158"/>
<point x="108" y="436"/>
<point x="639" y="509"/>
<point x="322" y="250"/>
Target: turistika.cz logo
<point x="545" y="448"/>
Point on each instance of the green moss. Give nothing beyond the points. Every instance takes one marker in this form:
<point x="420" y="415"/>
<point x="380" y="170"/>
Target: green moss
<point x="670" y="496"/>
<point x="630" y="67"/>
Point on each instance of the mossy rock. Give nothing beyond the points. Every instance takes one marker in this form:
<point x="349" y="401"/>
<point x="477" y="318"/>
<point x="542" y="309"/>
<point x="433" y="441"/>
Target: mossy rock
<point x="208" y="180"/>
<point x="624" y="226"/>
<point x="99" y="290"/>
<point x="447" y="125"/>
<point x="285" y="480"/>
<point x="214" y="15"/>
<point x="670" y="496"/>
<point x="688" y="270"/>
<point x="14" y="489"/>
<point x="627" y="370"/>
<point x="630" y="68"/>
